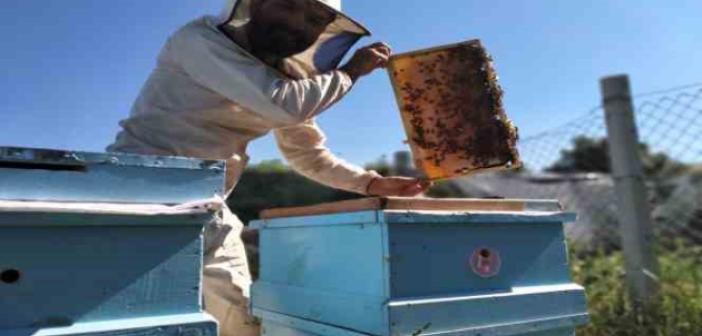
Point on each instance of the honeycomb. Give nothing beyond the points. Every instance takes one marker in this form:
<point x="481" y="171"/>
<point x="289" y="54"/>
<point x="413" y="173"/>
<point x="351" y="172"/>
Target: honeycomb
<point x="451" y="107"/>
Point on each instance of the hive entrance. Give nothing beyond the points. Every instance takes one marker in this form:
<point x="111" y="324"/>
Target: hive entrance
<point x="9" y="276"/>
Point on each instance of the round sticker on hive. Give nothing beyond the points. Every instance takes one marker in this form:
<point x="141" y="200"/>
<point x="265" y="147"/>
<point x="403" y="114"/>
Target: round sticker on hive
<point x="485" y="262"/>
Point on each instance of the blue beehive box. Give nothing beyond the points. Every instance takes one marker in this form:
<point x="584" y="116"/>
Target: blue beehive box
<point x="90" y="244"/>
<point x="417" y="267"/>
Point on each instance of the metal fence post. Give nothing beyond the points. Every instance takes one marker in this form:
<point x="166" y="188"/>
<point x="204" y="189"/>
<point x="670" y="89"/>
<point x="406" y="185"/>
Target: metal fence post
<point x="634" y="210"/>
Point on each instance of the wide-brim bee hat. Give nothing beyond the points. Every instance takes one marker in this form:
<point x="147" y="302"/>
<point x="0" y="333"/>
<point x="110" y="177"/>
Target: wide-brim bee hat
<point x="324" y="55"/>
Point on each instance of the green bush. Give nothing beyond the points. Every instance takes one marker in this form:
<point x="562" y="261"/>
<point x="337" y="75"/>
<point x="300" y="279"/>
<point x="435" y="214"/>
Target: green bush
<point x="273" y="185"/>
<point x="679" y="311"/>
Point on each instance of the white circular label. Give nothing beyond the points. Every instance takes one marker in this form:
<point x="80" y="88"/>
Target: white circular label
<point x="485" y="262"/>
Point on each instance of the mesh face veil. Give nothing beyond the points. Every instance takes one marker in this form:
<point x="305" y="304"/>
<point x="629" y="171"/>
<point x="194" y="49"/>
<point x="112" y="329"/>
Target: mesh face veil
<point x="324" y="55"/>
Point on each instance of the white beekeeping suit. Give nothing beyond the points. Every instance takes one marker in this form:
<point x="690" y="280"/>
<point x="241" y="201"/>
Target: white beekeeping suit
<point x="208" y="98"/>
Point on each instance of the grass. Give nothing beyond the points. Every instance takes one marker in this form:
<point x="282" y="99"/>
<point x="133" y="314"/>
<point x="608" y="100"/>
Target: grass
<point x="679" y="307"/>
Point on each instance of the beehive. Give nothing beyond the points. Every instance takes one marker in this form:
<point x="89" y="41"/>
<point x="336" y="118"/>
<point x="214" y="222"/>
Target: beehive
<point x="417" y="267"/>
<point x="451" y="107"/>
<point x="91" y="244"/>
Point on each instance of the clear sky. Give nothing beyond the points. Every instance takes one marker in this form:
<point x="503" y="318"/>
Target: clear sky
<point x="70" y="70"/>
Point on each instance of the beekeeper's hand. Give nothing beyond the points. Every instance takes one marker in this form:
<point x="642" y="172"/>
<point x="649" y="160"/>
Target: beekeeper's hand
<point x="397" y="186"/>
<point x="367" y="59"/>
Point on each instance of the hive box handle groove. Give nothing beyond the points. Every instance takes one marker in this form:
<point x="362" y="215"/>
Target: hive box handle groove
<point x="44" y="166"/>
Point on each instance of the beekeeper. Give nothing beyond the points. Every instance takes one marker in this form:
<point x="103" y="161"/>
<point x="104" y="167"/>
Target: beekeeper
<point x="221" y="82"/>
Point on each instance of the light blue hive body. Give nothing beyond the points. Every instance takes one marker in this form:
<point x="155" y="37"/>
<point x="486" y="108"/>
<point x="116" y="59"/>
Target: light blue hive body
<point x="86" y="272"/>
<point x="413" y="272"/>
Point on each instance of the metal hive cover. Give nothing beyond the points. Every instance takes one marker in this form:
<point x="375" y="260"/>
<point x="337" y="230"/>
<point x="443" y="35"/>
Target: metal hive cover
<point x="30" y="174"/>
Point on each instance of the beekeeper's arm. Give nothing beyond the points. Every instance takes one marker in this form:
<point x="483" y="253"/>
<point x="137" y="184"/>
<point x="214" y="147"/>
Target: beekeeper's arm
<point x="220" y="65"/>
<point x="303" y="146"/>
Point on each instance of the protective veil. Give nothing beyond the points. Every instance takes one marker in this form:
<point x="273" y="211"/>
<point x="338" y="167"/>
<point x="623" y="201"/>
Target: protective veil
<point x="324" y="55"/>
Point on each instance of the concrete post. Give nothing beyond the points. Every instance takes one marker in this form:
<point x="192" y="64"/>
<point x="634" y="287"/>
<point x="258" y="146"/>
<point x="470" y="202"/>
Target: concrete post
<point x="403" y="164"/>
<point x="627" y="171"/>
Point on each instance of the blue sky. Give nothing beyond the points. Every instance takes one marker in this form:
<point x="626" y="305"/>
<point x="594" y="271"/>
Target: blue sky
<point x="70" y="70"/>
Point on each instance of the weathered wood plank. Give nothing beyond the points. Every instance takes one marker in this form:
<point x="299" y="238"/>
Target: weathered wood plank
<point x="422" y="204"/>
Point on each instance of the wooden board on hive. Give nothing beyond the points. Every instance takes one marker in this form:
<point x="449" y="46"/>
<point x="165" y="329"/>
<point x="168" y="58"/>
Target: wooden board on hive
<point x="414" y="204"/>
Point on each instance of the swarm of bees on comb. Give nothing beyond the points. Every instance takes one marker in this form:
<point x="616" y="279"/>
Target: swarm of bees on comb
<point x="451" y="107"/>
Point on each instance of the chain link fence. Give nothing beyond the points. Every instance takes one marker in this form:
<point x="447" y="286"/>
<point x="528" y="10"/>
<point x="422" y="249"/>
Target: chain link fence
<point x="571" y="163"/>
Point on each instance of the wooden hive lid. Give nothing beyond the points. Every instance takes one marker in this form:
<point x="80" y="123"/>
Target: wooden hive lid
<point x="414" y="204"/>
